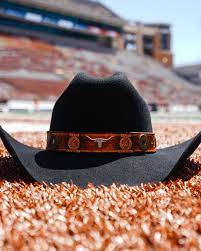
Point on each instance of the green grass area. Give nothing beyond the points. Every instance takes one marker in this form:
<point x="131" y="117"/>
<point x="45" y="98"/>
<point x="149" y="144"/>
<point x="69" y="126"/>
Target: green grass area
<point x="176" y="117"/>
<point x="156" y="116"/>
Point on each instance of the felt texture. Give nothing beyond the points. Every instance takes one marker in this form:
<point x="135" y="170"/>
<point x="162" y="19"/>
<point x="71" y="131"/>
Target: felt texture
<point x="110" y="104"/>
<point x="91" y="104"/>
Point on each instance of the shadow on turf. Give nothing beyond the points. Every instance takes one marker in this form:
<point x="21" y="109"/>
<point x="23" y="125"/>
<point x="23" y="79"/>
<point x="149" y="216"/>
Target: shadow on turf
<point x="189" y="169"/>
<point x="11" y="170"/>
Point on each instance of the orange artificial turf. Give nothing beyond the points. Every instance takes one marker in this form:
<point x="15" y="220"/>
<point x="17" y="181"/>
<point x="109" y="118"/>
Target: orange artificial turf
<point x="164" y="216"/>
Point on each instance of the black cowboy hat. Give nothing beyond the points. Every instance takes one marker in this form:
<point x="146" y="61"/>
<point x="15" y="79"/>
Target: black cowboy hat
<point x="99" y="105"/>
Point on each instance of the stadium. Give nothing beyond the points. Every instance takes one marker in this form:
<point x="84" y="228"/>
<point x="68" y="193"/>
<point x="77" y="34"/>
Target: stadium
<point x="43" y="45"/>
<point x="51" y="43"/>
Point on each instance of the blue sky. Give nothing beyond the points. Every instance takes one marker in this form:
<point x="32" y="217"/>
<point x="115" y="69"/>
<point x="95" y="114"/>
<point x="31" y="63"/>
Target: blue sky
<point x="183" y="15"/>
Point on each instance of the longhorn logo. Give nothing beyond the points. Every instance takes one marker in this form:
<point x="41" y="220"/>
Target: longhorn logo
<point x="100" y="141"/>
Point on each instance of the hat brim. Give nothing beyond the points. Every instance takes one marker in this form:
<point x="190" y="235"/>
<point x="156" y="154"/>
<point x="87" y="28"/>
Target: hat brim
<point x="99" y="168"/>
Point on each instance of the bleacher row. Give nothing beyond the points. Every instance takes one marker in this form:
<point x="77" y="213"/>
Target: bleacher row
<point x="31" y="68"/>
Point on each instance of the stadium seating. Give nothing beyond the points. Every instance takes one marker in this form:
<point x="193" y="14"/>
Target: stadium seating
<point x="32" y="68"/>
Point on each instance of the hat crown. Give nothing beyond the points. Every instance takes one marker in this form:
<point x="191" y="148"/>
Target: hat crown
<point x="110" y="104"/>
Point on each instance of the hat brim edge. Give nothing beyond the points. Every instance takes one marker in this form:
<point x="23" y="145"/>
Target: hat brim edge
<point x="177" y="153"/>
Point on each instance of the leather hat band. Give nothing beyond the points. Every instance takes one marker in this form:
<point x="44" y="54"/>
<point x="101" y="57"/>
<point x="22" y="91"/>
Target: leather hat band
<point x="132" y="142"/>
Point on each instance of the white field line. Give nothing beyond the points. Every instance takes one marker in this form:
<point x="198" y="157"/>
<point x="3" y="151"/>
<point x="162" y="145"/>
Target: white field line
<point x="24" y="127"/>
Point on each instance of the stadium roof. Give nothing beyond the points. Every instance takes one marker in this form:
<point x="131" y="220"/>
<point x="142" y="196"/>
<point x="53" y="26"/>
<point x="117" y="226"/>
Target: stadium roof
<point x="87" y="9"/>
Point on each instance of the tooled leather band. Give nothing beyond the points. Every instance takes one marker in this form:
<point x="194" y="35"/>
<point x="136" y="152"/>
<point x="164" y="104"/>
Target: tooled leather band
<point x="132" y="142"/>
